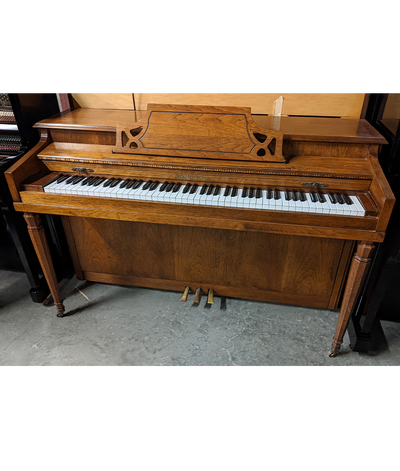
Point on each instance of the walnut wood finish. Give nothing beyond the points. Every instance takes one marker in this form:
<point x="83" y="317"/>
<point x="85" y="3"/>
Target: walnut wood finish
<point x="295" y="258"/>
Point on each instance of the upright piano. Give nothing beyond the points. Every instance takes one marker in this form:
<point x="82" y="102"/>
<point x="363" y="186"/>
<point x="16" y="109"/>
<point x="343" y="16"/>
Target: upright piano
<point x="211" y="199"/>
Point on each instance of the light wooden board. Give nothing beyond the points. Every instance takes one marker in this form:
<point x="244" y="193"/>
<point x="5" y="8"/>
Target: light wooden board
<point x="297" y="104"/>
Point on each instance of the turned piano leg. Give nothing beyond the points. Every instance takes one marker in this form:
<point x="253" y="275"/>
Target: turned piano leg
<point x="357" y="273"/>
<point x="39" y="240"/>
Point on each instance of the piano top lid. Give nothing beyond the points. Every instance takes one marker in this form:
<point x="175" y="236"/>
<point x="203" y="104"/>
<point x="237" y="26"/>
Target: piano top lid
<point x="346" y="130"/>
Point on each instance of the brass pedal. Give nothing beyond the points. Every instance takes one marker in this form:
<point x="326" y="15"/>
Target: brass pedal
<point x="210" y="298"/>
<point x="197" y="296"/>
<point x="185" y="294"/>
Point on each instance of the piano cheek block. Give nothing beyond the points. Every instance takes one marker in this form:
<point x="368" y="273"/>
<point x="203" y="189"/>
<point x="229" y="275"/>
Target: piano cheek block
<point x="208" y="198"/>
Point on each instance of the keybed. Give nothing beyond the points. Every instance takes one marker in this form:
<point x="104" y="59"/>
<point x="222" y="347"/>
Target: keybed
<point x="232" y="196"/>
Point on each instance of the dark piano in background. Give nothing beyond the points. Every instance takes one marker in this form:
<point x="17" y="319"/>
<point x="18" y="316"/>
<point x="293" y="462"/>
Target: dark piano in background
<point x="380" y="296"/>
<point x="18" y="114"/>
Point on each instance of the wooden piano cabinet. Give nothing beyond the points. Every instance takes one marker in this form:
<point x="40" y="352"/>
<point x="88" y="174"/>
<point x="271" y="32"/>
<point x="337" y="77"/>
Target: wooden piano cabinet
<point x="283" y="256"/>
<point x="288" y="269"/>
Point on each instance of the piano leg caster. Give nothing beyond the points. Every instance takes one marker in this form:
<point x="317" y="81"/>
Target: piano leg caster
<point x="60" y="310"/>
<point x="334" y="351"/>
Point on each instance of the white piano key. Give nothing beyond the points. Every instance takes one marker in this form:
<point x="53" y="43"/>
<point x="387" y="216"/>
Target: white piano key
<point x="253" y="202"/>
<point x="180" y="195"/>
<point x="141" y="194"/>
<point x="359" y="206"/>
<point x="241" y="202"/>
<point x="312" y="205"/>
<point x="202" y="198"/>
<point x="233" y="202"/>
<point x="49" y="188"/>
<point x="192" y="196"/>
<point x="210" y="197"/>
<point x="325" y="206"/>
<point x="332" y="206"/>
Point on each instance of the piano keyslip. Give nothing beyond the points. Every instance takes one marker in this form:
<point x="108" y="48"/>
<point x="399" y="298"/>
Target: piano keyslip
<point x="210" y="195"/>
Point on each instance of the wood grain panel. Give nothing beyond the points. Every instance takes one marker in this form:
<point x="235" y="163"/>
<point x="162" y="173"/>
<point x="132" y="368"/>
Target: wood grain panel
<point x="287" y="265"/>
<point x="303" y="104"/>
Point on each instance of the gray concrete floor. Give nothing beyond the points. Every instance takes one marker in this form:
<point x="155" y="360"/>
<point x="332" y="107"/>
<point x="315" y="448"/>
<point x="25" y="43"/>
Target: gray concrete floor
<point x="117" y="325"/>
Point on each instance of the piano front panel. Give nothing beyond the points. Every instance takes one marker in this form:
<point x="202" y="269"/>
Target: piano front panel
<point x="262" y="266"/>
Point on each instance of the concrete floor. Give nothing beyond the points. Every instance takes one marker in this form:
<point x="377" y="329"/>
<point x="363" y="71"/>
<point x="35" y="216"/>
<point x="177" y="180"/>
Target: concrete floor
<point x="116" y="325"/>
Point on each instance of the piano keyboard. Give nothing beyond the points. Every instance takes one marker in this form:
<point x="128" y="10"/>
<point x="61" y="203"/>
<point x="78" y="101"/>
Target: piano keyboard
<point x="207" y="194"/>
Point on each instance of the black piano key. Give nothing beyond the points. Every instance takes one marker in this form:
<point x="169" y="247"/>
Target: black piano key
<point x="258" y="193"/>
<point x="169" y="187"/>
<point x="98" y="181"/>
<point x="270" y="194"/>
<point x="124" y="184"/>
<point x="288" y="195"/>
<point x="108" y="182"/>
<point x="61" y="178"/>
<point x="203" y="189"/>
<point x="251" y="192"/>
<point x="137" y="185"/>
<point x="303" y="197"/>
<point x="176" y="187"/>
<point x="234" y="191"/>
<point x="71" y="179"/>
<point x="87" y="180"/>
<point x="217" y="190"/>
<point x="346" y="198"/>
<point x="94" y="180"/>
<point x="164" y="186"/>
<point x="313" y="197"/>
<point x="130" y="184"/>
<point x="154" y="185"/>
<point x="79" y="179"/>
<point x="295" y="196"/>
<point x="187" y="188"/>
<point x="147" y="185"/>
<point x="245" y="192"/>
<point x="321" y="198"/>
<point x="193" y="189"/>
<point x="339" y="198"/>
<point x="332" y="198"/>
<point x="277" y="194"/>
<point x="227" y="191"/>
<point x="115" y="183"/>
<point x="210" y="190"/>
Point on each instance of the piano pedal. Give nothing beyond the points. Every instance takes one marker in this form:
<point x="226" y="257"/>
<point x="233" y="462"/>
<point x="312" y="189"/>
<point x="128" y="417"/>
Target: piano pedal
<point x="197" y="297"/>
<point x="210" y="298"/>
<point x="185" y="294"/>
